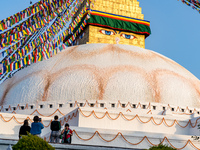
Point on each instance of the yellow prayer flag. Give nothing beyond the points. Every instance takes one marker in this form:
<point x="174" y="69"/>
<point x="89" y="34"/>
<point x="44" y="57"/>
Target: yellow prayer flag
<point x="24" y="32"/>
<point x="25" y="62"/>
<point x="7" y="68"/>
<point x="3" y="44"/>
<point x="47" y="53"/>
<point x="31" y="29"/>
<point x="34" y="10"/>
<point x="37" y="26"/>
<point x="16" y="66"/>
<point x="37" y="9"/>
<point x="20" y="53"/>
<point x="1" y="27"/>
<point x="39" y="59"/>
<point x="42" y="22"/>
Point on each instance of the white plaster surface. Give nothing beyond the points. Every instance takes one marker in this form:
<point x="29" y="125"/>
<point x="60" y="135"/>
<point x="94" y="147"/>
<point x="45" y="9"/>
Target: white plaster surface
<point x="108" y="74"/>
<point x="104" y="72"/>
<point x="132" y="130"/>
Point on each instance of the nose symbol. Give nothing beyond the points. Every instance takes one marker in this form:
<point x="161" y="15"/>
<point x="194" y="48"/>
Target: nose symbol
<point x="117" y="39"/>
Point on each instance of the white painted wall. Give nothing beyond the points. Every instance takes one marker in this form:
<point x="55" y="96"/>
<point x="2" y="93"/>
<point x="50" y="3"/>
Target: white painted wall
<point x="86" y="126"/>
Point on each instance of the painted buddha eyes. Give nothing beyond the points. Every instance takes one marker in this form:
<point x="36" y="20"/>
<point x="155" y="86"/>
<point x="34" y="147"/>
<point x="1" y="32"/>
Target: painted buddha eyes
<point x="106" y="32"/>
<point x="126" y="36"/>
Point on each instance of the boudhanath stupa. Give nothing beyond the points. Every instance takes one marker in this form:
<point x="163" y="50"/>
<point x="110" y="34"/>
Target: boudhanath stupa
<point x="98" y="77"/>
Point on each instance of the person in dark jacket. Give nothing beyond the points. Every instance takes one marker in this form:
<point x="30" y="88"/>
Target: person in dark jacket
<point x="55" y="130"/>
<point x="24" y="129"/>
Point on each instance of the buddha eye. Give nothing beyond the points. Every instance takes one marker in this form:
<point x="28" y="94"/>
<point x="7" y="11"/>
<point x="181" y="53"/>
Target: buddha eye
<point x="126" y="36"/>
<point x="107" y="32"/>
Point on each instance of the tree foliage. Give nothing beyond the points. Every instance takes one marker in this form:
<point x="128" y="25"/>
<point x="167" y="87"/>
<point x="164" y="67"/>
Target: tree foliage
<point x="32" y="142"/>
<point x="161" y="147"/>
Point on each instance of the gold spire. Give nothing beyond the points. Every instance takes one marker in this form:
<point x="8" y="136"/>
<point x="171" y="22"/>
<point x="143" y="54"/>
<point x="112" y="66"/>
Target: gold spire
<point x="129" y="8"/>
<point x="96" y="34"/>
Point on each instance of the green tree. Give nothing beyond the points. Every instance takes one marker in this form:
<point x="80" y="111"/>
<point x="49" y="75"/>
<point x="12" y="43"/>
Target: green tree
<point x="161" y="147"/>
<point x="32" y="142"/>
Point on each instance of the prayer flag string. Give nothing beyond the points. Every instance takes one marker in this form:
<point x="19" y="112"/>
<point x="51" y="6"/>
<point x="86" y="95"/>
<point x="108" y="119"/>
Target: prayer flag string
<point x="195" y="4"/>
<point x="45" y="45"/>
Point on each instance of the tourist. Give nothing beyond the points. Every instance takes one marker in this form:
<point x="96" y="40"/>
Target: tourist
<point x="36" y="126"/>
<point x="55" y="130"/>
<point x="24" y="129"/>
<point x="67" y="133"/>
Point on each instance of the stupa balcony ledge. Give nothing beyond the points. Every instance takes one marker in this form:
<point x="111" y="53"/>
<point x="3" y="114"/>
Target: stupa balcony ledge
<point x="141" y="108"/>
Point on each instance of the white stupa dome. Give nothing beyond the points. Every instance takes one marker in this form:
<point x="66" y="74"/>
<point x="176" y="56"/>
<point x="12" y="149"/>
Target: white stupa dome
<point x="104" y="72"/>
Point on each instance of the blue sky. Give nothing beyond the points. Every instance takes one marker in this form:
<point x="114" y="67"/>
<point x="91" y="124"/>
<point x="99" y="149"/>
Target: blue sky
<point x="174" y="27"/>
<point x="175" y="32"/>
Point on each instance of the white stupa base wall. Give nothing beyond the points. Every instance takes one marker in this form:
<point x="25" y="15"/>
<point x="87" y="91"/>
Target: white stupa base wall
<point x="124" y="129"/>
<point x="112" y="127"/>
<point x="130" y="139"/>
<point x="121" y="119"/>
